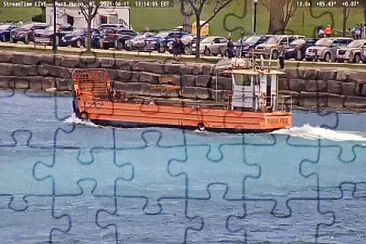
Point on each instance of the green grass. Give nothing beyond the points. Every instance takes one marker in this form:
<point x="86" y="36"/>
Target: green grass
<point x="18" y="14"/>
<point x="167" y="18"/>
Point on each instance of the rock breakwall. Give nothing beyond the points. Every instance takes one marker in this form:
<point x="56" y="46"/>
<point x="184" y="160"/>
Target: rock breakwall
<point x="338" y="88"/>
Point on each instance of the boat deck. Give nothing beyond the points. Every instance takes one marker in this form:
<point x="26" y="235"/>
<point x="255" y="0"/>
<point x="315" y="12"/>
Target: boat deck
<point x="181" y="102"/>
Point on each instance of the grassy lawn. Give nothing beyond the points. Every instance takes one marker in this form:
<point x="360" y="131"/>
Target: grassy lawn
<point x="18" y="14"/>
<point x="232" y="19"/>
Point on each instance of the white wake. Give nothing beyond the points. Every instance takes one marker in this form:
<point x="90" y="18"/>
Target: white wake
<point x="314" y="133"/>
<point x="73" y="119"/>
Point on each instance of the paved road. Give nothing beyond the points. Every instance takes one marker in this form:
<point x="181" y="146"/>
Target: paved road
<point x="156" y="54"/>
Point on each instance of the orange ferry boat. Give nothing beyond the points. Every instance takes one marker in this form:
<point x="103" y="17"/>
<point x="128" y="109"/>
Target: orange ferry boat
<point x="253" y="106"/>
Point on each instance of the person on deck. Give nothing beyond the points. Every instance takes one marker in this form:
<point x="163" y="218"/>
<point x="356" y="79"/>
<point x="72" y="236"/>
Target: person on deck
<point x="230" y="48"/>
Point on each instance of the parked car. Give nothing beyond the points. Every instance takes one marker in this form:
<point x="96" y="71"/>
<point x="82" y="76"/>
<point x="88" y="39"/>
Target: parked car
<point x="138" y="42"/>
<point x="107" y="37"/>
<point x="45" y="36"/>
<point x="159" y="42"/>
<point x="363" y="56"/>
<point x="352" y="52"/>
<point x="25" y="33"/>
<point x="325" y="49"/>
<point x="116" y="26"/>
<point x="78" y="37"/>
<point x="297" y="48"/>
<point x="274" y="44"/>
<point x="250" y="43"/>
<point x="187" y="41"/>
<point x="5" y="30"/>
<point x="122" y="36"/>
<point x="212" y="45"/>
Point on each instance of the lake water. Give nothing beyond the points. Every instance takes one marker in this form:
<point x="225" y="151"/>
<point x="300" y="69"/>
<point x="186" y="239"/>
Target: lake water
<point x="63" y="180"/>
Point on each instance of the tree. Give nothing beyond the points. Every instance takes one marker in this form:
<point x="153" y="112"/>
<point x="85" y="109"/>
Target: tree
<point x="280" y="12"/>
<point x="346" y="11"/>
<point x="186" y="16"/>
<point x="197" y="7"/>
<point x="89" y="10"/>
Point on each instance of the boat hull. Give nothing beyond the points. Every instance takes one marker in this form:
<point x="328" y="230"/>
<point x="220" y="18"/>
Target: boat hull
<point x="146" y="115"/>
<point x="127" y="125"/>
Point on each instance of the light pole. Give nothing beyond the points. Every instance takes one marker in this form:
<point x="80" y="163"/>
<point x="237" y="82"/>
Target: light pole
<point x="255" y="17"/>
<point x="54" y="46"/>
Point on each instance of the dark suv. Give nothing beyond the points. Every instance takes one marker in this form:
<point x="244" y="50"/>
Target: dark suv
<point x="5" y="31"/>
<point x="326" y="49"/>
<point x="296" y="49"/>
<point x="78" y="37"/>
<point x="251" y="43"/>
<point x="122" y="36"/>
<point x="107" y="37"/>
<point x="160" y="41"/>
<point x="25" y="33"/>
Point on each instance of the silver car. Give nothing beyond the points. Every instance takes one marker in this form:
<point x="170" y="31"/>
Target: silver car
<point x="274" y="44"/>
<point x="352" y="52"/>
<point x="138" y="42"/>
<point x="212" y="45"/>
<point x="326" y="49"/>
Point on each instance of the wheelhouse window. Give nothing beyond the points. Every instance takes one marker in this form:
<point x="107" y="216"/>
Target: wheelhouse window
<point x="243" y="80"/>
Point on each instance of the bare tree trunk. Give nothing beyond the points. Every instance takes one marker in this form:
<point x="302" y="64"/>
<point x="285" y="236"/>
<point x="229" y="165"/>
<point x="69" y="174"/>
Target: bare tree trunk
<point x="346" y="11"/>
<point x="186" y="16"/>
<point x="186" y="25"/>
<point x="88" y="39"/>
<point x="198" y="41"/>
<point x="276" y="24"/>
<point x="364" y="10"/>
<point x="89" y="10"/>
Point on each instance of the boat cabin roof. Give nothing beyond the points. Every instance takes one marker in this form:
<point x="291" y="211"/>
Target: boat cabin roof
<point x="254" y="72"/>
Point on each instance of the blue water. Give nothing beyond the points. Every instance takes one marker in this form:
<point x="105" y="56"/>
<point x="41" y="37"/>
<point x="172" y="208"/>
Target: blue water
<point x="66" y="181"/>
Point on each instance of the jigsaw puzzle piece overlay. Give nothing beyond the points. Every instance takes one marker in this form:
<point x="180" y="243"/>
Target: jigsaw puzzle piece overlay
<point x="135" y="138"/>
<point x="66" y="171"/>
<point x="16" y="178"/>
<point x="47" y="113"/>
<point x="323" y="119"/>
<point x="338" y="162"/>
<point x="151" y="179"/>
<point x="86" y="139"/>
<point x="280" y="177"/>
<point x="300" y="226"/>
<point x="350" y="217"/>
<point x="216" y="211"/>
<point x="82" y="210"/>
<point x="36" y="224"/>
<point x="200" y="168"/>
<point x="130" y="224"/>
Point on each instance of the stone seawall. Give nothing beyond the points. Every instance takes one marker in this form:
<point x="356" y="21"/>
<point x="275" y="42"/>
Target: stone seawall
<point x="338" y="88"/>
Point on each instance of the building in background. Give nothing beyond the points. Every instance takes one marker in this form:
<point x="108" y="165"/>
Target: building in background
<point x="71" y="15"/>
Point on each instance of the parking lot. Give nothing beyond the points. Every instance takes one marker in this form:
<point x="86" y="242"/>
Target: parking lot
<point x="113" y="38"/>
